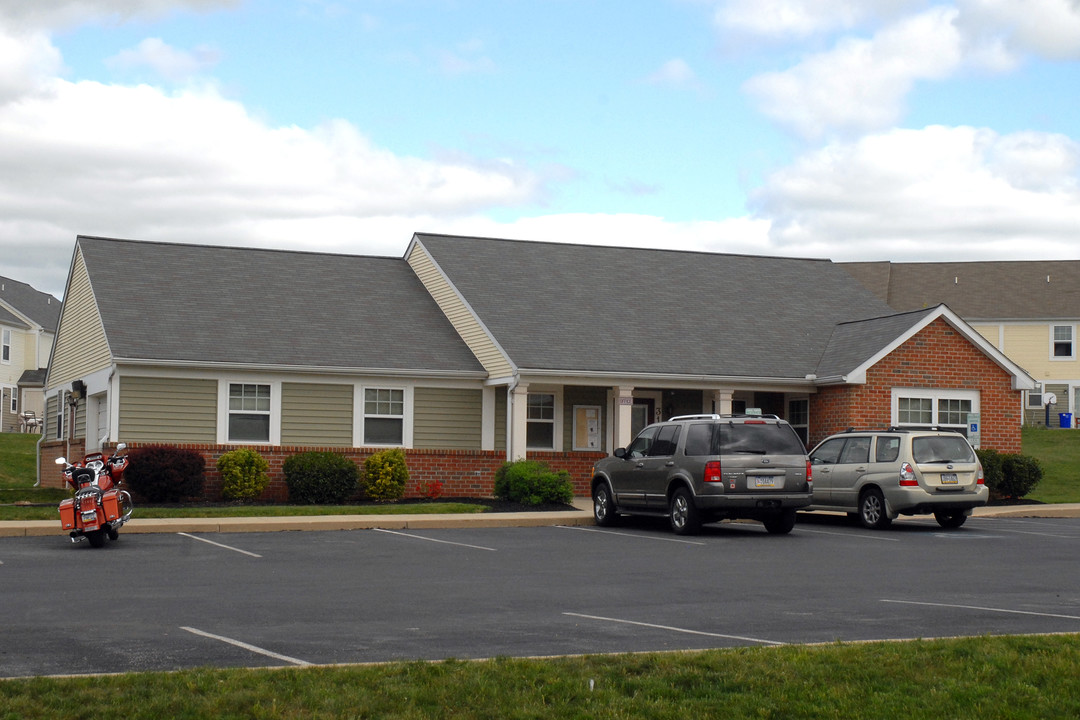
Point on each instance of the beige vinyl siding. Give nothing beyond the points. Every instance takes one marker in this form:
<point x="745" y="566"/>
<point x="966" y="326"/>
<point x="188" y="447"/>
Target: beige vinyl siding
<point x="82" y="348"/>
<point x="168" y="410"/>
<point x="1028" y="345"/>
<point x="466" y="324"/>
<point x="315" y="414"/>
<point x="447" y="418"/>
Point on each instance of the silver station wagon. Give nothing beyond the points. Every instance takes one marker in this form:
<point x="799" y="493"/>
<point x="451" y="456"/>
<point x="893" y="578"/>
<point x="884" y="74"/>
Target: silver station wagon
<point x="702" y="468"/>
<point x="880" y="475"/>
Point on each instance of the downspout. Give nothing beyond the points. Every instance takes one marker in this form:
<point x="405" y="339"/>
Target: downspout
<point x="509" y="439"/>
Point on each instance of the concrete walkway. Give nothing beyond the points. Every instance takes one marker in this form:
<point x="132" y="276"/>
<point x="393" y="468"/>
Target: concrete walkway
<point x="580" y="515"/>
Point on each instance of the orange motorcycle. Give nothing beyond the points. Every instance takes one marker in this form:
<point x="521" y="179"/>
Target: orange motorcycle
<point x="100" y="508"/>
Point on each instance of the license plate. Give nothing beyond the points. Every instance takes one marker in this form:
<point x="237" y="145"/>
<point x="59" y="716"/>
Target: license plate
<point x="949" y="479"/>
<point x="765" y="482"/>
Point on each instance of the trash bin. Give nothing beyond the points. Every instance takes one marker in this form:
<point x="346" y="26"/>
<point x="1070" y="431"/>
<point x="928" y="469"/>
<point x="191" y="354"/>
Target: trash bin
<point x="1065" y="420"/>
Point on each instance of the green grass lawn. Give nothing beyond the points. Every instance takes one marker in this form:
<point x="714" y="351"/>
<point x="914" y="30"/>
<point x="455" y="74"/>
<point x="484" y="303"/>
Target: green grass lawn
<point x="987" y="677"/>
<point x="1058" y="452"/>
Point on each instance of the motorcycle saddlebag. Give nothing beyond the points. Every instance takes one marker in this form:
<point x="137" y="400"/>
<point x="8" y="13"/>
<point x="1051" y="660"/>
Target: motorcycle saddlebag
<point x="110" y="503"/>
<point x="67" y="514"/>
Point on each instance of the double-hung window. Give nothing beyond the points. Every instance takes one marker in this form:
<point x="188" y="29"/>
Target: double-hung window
<point x="945" y="409"/>
<point x="5" y="347"/>
<point x="249" y="412"/>
<point x="1063" y="342"/>
<point x="540" y="422"/>
<point x="384" y="416"/>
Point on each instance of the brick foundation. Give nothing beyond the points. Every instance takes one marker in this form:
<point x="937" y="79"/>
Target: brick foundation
<point x="463" y="473"/>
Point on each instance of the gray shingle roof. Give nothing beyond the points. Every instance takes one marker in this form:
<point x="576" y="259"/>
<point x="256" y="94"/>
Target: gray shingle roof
<point x="175" y="302"/>
<point x="999" y="290"/>
<point x="853" y="343"/>
<point x="40" y="307"/>
<point x="607" y="309"/>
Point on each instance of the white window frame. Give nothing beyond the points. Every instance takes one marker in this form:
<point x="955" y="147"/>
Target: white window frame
<point x="1054" y="341"/>
<point x="61" y="411"/>
<point x="5" y="347"/>
<point x="935" y="395"/>
<point x="555" y="425"/>
<point x="362" y="414"/>
<point x="14" y="401"/>
<point x="268" y="412"/>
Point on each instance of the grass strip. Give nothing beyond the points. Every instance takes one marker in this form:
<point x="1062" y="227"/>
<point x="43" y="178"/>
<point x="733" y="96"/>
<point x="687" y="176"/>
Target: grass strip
<point x="986" y="677"/>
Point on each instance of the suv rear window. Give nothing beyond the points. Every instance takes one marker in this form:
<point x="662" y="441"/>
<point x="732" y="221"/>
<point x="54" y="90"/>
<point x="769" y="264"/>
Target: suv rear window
<point x="753" y="438"/>
<point x="941" y="449"/>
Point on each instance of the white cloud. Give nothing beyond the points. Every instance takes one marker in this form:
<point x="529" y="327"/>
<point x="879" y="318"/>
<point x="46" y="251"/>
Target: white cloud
<point x="861" y="85"/>
<point x="674" y="73"/>
<point x="1047" y="28"/>
<point x="28" y="61"/>
<point x="165" y="60"/>
<point x="55" y="13"/>
<point x="801" y="18"/>
<point x="936" y="193"/>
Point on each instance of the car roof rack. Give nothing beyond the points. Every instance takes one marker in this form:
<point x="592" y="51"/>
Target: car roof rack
<point x="714" y="416"/>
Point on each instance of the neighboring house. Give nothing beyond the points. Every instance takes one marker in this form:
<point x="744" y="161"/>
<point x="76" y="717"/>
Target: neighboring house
<point x="470" y="351"/>
<point x="1029" y="310"/>
<point x="28" y="321"/>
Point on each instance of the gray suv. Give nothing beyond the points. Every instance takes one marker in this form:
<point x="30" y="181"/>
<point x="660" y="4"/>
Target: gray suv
<point x="703" y="468"/>
<point x="879" y="475"/>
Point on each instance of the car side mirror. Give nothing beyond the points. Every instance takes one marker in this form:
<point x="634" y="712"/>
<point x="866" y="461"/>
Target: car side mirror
<point x="61" y="461"/>
<point x="620" y="453"/>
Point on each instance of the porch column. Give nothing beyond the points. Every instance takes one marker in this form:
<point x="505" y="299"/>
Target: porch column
<point x="721" y="401"/>
<point x="519" y="405"/>
<point x="624" y="403"/>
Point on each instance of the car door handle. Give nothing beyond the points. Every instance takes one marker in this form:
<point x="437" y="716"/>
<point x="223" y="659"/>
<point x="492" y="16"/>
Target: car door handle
<point x="670" y="463"/>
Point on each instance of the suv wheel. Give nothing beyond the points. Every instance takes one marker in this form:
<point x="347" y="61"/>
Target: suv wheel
<point x="603" y="505"/>
<point x="780" y="523"/>
<point x="684" y="516"/>
<point x="950" y="519"/>
<point x="872" y="510"/>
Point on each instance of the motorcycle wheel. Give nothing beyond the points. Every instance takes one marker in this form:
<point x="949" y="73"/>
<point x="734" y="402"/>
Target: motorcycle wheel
<point x="96" y="538"/>
<point x="113" y="533"/>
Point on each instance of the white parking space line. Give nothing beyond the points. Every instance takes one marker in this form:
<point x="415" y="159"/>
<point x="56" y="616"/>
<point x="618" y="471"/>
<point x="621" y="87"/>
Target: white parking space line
<point x="985" y="609"/>
<point x="246" y="646"/>
<point x="674" y="629"/>
<point x="631" y="535"/>
<point x="227" y="547"/>
<point x="444" y="542"/>
<point x="857" y="536"/>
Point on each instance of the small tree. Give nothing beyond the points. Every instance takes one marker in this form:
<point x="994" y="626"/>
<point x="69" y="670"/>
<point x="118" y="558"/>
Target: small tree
<point x="243" y="474"/>
<point x="385" y="475"/>
<point x="320" y="478"/>
<point x="532" y="482"/>
<point x="165" y="474"/>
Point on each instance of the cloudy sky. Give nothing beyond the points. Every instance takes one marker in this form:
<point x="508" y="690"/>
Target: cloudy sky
<point x="875" y="130"/>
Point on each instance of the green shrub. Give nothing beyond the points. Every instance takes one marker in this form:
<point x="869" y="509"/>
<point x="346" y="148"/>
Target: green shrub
<point x="1021" y="473"/>
<point x="532" y="482"/>
<point x="320" y="478"/>
<point x="991" y="462"/>
<point x="385" y="475"/>
<point x="243" y="474"/>
<point x="165" y="474"/>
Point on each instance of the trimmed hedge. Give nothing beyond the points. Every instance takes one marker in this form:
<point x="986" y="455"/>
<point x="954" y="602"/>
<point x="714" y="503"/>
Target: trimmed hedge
<point x="533" y="482"/>
<point x="385" y="475"/>
<point x="243" y="474"/>
<point x="1009" y="475"/>
<point x="320" y="478"/>
<point x="165" y="474"/>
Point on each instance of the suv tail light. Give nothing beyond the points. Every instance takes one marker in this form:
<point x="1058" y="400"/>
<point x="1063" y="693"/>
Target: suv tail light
<point x="809" y="473"/>
<point x="712" y="472"/>
<point x="981" y="480"/>
<point x="907" y="476"/>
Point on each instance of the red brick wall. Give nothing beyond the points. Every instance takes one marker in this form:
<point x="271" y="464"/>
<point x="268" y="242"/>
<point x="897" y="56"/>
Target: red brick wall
<point x="936" y="357"/>
<point x="464" y="473"/>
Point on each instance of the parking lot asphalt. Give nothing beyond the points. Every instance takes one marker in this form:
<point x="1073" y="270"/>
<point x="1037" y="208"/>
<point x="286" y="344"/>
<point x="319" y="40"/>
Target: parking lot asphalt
<point x="580" y="514"/>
